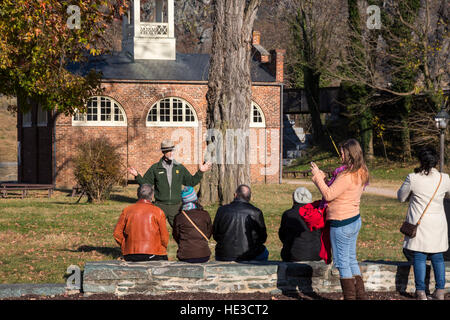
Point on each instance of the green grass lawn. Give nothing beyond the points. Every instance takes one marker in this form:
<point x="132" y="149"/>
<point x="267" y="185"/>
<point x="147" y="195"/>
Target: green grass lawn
<point x="40" y="237"/>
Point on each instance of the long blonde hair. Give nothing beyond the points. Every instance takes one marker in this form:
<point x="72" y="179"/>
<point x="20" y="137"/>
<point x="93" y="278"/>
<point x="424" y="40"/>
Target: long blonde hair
<point x="354" y="160"/>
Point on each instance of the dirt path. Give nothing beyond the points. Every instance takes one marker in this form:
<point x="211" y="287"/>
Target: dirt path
<point x="386" y="189"/>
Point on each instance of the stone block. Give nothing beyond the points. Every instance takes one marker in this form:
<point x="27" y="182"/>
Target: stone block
<point x="179" y="271"/>
<point x="127" y="284"/>
<point x="112" y="270"/>
<point x="262" y="285"/>
<point x="242" y="269"/>
<point x="169" y="288"/>
<point x="147" y="288"/>
<point x="102" y="286"/>
<point x="17" y="290"/>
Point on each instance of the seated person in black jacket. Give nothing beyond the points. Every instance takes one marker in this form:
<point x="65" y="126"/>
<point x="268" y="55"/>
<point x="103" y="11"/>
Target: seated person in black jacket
<point x="239" y="230"/>
<point x="299" y="243"/>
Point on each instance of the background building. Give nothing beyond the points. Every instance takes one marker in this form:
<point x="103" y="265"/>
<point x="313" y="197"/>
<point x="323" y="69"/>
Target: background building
<point x="151" y="93"/>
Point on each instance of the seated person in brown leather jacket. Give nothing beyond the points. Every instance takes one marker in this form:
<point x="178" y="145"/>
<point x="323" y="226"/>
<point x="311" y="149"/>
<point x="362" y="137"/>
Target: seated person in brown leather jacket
<point x="141" y="230"/>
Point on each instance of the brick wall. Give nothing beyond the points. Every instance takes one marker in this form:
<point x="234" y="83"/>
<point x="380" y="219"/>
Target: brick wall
<point x="139" y="145"/>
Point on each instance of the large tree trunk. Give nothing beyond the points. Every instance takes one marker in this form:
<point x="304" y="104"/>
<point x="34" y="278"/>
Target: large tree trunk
<point x="312" y="93"/>
<point x="405" y="139"/>
<point x="365" y="126"/>
<point x="229" y="100"/>
<point x="360" y="94"/>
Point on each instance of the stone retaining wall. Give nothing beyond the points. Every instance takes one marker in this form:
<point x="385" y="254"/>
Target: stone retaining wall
<point x="161" y="277"/>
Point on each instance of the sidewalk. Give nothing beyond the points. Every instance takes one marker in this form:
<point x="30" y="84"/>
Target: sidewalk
<point x="389" y="192"/>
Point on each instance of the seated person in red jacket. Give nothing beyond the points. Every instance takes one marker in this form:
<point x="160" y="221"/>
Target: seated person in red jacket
<point x="299" y="243"/>
<point x="193" y="246"/>
<point x="141" y="230"/>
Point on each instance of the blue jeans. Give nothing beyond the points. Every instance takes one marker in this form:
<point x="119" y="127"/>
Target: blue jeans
<point x="437" y="261"/>
<point x="343" y="245"/>
<point x="263" y="256"/>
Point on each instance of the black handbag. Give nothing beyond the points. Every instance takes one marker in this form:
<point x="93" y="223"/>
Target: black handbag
<point x="409" y="229"/>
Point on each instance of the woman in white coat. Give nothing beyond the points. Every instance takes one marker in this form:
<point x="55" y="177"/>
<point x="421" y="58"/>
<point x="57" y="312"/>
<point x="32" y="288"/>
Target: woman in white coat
<point x="431" y="239"/>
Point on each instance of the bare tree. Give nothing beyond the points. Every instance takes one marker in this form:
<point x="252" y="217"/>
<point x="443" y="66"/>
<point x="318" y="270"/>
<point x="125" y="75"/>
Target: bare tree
<point x="424" y="47"/>
<point x="229" y="98"/>
<point x="193" y="25"/>
<point x="316" y="30"/>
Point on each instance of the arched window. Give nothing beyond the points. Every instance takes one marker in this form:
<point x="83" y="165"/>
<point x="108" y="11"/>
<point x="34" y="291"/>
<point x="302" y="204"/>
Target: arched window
<point x="101" y="111"/>
<point x="257" y="119"/>
<point x="171" y="112"/>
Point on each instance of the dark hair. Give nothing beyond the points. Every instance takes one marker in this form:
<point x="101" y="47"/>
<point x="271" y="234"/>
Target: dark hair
<point x="428" y="158"/>
<point x="354" y="159"/>
<point x="243" y="192"/>
<point x="145" y="191"/>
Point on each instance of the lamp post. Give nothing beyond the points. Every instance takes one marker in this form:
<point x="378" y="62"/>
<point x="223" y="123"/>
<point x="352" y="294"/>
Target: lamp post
<point x="441" y="120"/>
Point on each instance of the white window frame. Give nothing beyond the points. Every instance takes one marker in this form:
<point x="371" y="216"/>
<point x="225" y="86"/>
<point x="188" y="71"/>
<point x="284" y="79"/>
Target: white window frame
<point x="42" y="117"/>
<point x="98" y="122"/>
<point x="257" y="124"/>
<point x="27" y="119"/>
<point x="171" y="123"/>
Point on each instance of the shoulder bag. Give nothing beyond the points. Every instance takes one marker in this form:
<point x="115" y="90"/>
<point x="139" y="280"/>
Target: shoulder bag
<point x="195" y="226"/>
<point x="409" y="229"/>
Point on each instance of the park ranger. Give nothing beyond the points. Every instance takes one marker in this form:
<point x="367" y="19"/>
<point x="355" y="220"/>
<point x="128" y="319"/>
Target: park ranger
<point x="168" y="176"/>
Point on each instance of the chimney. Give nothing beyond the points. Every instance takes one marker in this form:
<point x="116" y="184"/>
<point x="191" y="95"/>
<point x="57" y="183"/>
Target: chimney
<point x="258" y="52"/>
<point x="256" y="37"/>
<point x="277" y="64"/>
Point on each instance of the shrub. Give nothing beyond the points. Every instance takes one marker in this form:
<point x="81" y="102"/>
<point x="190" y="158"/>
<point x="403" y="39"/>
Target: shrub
<point x="98" y="168"/>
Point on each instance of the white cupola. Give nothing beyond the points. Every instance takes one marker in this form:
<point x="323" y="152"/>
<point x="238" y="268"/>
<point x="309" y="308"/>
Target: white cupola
<point x="148" y="30"/>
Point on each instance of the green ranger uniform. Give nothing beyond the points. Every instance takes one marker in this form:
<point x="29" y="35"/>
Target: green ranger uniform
<point x="168" y="195"/>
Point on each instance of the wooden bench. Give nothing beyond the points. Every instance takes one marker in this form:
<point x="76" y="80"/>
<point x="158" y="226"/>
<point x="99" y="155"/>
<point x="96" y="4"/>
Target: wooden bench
<point x="24" y="188"/>
<point x="303" y="174"/>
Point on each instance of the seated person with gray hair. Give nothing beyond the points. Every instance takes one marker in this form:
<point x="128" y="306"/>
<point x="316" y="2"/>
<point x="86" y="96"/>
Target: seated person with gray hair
<point x="299" y="243"/>
<point x="239" y="230"/>
<point x="141" y="230"/>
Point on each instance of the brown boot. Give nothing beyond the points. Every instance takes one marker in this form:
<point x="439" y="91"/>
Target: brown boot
<point x="439" y="294"/>
<point x="360" y="291"/>
<point x="348" y="288"/>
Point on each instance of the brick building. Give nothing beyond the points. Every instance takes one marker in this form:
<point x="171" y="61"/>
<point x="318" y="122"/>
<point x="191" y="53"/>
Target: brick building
<point x="152" y="93"/>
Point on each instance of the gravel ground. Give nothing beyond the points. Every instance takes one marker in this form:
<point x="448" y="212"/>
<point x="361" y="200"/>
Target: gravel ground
<point x="230" y="296"/>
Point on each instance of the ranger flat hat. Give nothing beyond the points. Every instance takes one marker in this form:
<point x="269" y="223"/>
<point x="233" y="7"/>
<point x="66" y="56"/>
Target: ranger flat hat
<point x="167" y="145"/>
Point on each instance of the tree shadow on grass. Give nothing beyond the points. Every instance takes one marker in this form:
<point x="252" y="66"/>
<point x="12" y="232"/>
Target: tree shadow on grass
<point x="122" y="198"/>
<point x="113" y="196"/>
<point x="77" y="200"/>
<point x="108" y="251"/>
<point x="67" y="191"/>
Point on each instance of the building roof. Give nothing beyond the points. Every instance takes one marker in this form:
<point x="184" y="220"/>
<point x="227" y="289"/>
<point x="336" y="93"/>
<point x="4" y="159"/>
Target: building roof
<point x="186" y="67"/>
